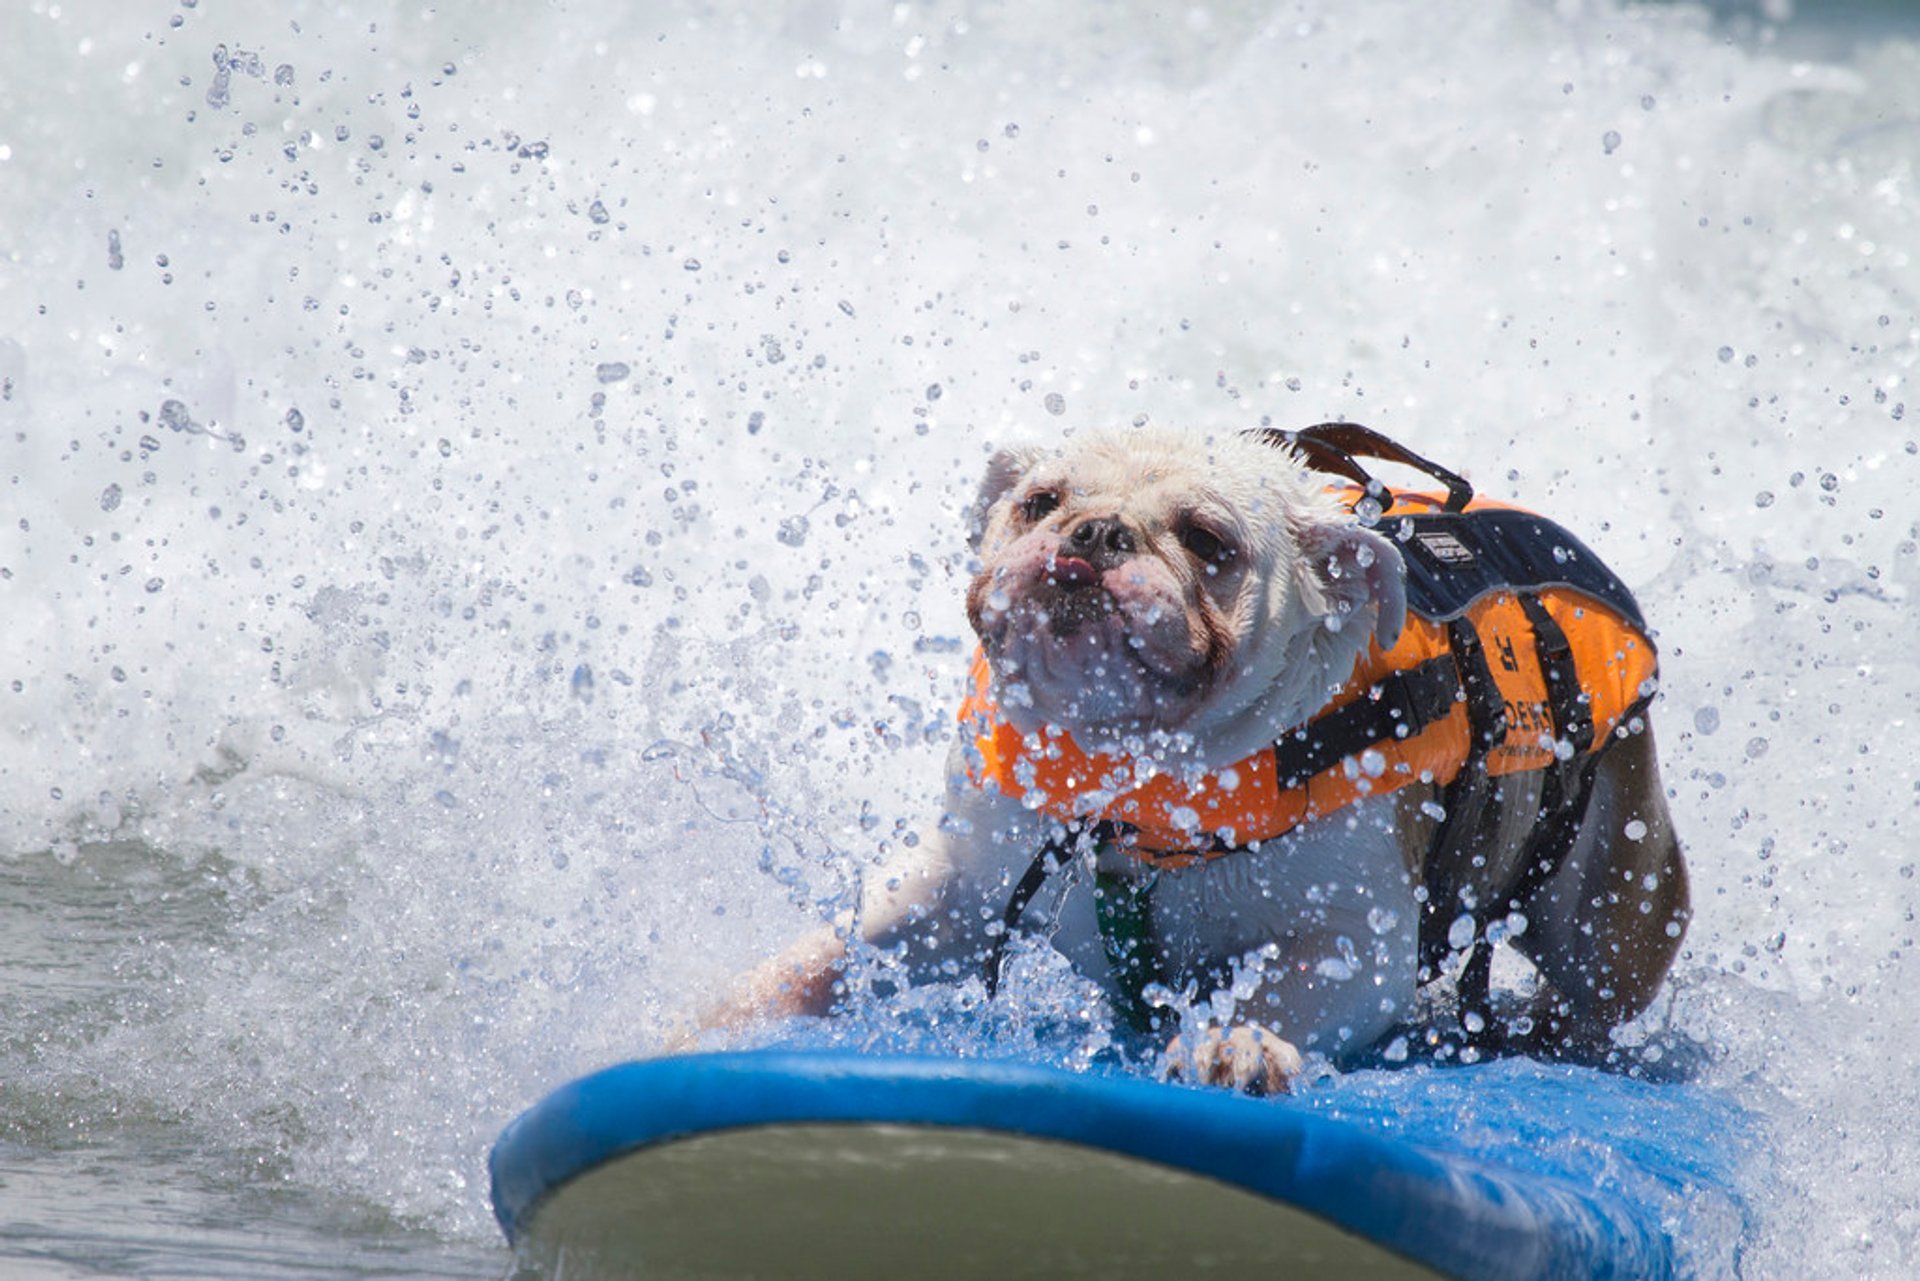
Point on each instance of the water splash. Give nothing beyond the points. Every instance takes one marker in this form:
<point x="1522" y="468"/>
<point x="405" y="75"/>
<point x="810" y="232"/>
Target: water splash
<point x="351" y="709"/>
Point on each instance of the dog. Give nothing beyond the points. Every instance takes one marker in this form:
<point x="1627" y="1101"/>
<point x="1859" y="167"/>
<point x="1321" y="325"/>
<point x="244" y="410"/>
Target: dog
<point x="1190" y="716"/>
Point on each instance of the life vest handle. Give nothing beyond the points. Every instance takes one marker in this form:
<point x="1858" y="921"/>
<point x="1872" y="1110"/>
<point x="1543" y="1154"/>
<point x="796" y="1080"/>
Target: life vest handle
<point x="1337" y="447"/>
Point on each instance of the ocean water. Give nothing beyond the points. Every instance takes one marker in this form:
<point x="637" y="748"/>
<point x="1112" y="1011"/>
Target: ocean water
<point x="479" y="518"/>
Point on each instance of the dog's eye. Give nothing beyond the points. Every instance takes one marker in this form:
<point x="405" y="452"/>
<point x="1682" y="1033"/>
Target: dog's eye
<point x="1206" y="545"/>
<point x="1037" y="505"/>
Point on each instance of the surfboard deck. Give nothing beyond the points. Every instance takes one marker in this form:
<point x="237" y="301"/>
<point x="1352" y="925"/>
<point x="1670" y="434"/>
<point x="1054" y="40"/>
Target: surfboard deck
<point x="800" y="1164"/>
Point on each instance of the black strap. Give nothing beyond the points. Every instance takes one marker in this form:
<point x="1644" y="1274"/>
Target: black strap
<point x="1400" y="706"/>
<point x="1054" y="855"/>
<point x="1563" y="792"/>
<point x="1467" y="799"/>
<point x="1122" y="907"/>
<point x="1571" y="708"/>
<point x="1486" y="710"/>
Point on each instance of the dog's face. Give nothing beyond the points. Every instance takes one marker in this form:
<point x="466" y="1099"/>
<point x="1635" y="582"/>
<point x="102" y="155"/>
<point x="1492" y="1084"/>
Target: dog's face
<point x="1153" y="581"/>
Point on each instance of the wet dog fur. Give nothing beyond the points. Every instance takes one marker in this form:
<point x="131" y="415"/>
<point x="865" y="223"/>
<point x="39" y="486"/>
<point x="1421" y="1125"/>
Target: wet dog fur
<point x="1191" y="597"/>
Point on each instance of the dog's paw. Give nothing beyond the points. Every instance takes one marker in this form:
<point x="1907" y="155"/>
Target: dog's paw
<point x="1249" y="1059"/>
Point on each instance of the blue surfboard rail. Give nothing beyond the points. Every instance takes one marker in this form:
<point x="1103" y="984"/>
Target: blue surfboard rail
<point x="1458" y="1214"/>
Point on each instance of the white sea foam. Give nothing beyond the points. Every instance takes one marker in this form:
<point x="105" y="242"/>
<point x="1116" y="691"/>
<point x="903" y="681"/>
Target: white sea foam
<point x="486" y="485"/>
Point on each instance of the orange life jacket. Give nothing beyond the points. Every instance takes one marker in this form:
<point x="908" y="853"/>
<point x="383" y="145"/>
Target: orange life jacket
<point x="1520" y="650"/>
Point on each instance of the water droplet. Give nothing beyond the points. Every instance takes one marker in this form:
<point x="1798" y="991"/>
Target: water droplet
<point x="1512" y="925"/>
<point x="1610" y="140"/>
<point x="1757" y="747"/>
<point x="1460" y="933"/>
<point x="110" y="498"/>
<point x="155" y="584"/>
<point x="597" y="213"/>
<point x="1706" y="719"/>
<point x="1763" y="499"/>
<point x="115" y="259"/>
<point x="1055" y="403"/>
<point x="1725" y="354"/>
<point x="612" y="371"/>
<point x="691" y="264"/>
<point x="793" y="531"/>
<point x="1635" y="830"/>
<point x="174" y="416"/>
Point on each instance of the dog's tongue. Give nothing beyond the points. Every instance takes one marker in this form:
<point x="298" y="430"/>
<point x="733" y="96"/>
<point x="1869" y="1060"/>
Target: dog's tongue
<point x="1071" y="571"/>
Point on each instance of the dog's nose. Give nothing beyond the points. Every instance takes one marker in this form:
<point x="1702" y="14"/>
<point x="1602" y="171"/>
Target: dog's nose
<point x="1102" y="540"/>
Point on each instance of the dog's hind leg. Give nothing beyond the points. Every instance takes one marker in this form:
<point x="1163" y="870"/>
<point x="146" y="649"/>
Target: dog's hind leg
<point x="1605" y="927"/>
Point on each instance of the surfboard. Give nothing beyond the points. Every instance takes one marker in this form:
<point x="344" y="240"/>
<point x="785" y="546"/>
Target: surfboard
<point x="836" y="1164"/>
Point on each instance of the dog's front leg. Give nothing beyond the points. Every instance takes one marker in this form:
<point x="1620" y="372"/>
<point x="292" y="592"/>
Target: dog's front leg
<point x="933" y="905"/>
<point x="1604" y="930"/>
<point x="807" y="978"/>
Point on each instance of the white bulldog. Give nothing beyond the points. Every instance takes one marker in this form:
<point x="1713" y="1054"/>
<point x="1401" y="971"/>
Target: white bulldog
<point x="1179" y="602"/>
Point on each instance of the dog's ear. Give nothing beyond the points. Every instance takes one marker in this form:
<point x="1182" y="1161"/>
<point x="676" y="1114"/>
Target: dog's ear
<point x="1345" y="569"/>
<point x="1004" y="471"/>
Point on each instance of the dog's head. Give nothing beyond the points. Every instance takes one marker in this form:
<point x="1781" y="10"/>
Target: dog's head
<point x="1154" y="582"/>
